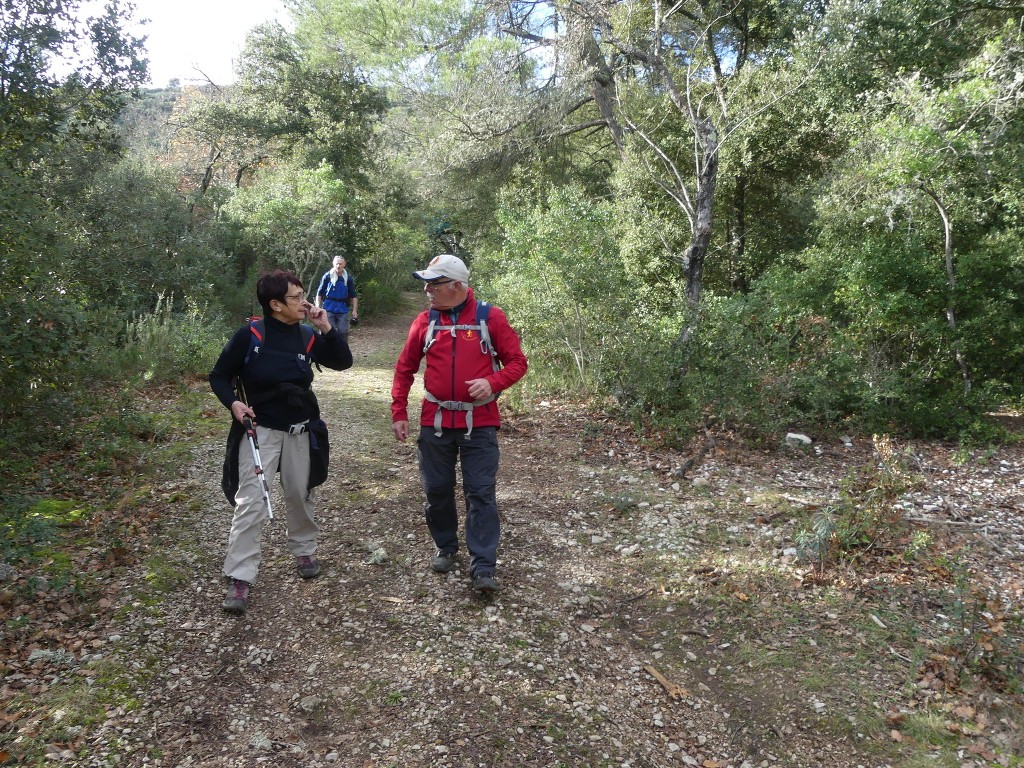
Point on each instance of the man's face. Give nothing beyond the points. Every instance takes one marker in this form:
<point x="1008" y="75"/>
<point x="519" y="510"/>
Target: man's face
<point x="339" y="265"/>
<point x="445" y="293"/>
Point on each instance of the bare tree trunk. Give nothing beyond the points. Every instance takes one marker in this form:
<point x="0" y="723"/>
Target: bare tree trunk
<point x="204" y="185"/>
<point x="602" y="81"/>
<point x="697" y="251"/>
<point x="738" y="234"/>
<point x="947" y="231"/>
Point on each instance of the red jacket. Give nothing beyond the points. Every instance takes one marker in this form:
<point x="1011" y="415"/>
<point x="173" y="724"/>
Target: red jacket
<point x="451" y="362"/>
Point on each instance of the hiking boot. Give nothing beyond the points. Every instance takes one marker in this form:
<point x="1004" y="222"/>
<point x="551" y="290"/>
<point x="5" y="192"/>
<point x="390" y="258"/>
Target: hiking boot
<point x="442" y="562"/>
<point x="309" y="568"/>
<point x="485" y="583"/>
<point x="237" y="598"/>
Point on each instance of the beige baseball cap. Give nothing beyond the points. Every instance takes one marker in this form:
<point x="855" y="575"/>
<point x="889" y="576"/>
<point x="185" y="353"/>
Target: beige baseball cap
<point x="444" y="265"/>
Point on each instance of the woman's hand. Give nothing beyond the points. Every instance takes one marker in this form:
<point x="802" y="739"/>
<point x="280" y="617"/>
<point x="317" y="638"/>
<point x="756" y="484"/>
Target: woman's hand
<point x="317" y="316"/>
<point x="240" y="410"/>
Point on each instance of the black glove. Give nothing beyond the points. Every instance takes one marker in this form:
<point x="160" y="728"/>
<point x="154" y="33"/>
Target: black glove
<point x="354" y="321"/>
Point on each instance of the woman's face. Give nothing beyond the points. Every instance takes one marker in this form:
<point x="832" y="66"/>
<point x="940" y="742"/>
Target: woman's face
<point x="293" y="308"/>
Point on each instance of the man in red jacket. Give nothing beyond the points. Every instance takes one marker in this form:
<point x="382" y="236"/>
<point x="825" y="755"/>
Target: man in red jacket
<point x="459" y="419"/>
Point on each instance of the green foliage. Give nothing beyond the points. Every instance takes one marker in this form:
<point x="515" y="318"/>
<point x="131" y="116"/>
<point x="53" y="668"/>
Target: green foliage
<point x="559" y="253"/>
<point x="760" y="364"/>
<point x="82" y="237"/>
<point x="379" y="297"/>
<point x="119" y="239"/>
<point x="828" y="297"/>
<point x="289" y="161"/>
<point x="293" y="217"/>
<point x="935" y="334"/>
<point x="163" y="346"/>
<point x="131" y="241"/>
<point x="389" y="35"/>
<point x="855" y="342"/>
<point x="42" y="103"/>
<point x="311" y="112"/>
<point x="991" y="312"/>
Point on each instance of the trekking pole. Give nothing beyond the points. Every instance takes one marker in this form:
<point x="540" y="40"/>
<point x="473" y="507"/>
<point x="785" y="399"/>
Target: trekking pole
<point x="254" y="446"/>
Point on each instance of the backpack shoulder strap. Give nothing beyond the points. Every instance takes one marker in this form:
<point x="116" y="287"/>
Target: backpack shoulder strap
<point x="483" y="311"/>
<point x="256" y="333"/>
<point x="310" y="337"/>
<point x="431" y="334"/>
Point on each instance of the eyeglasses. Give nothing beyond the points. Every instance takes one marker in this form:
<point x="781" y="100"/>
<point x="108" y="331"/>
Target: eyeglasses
<point x="435" y="283"/>
<point x="299" y="296"/>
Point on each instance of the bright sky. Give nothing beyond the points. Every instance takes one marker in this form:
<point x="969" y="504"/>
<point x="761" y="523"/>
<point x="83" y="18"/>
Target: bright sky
<point x="189" y="35"/>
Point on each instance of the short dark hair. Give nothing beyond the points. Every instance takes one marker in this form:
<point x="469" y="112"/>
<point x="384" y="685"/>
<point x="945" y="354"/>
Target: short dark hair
<point x="274" y="286"/>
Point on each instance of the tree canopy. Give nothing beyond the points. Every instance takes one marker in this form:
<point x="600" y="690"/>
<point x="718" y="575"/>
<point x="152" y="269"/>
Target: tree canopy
<point x="801" y="211"/>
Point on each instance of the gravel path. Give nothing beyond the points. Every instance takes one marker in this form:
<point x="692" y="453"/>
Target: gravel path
<point x="601" y="650"/>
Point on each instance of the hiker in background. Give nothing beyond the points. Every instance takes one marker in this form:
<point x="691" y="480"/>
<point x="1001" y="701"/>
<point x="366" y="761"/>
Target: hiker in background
<point x="465" y="343"/>
<point x="337" y="294"/>
<point x="265" y="373"/>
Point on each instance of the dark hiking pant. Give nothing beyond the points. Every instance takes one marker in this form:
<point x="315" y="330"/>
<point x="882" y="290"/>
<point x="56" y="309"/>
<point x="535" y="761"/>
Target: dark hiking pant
<point x="478" y="457"/>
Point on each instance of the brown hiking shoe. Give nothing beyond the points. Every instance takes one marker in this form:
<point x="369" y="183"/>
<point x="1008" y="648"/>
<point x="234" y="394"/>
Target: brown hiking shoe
<point x="237" y="598"/>
<point x="308" y="567"/>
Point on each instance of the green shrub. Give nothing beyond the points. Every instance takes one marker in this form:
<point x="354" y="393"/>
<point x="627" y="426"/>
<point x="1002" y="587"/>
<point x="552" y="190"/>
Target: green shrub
<point x="867" y="509"/>
<point x="377" y="297"/>
<point x="165" y="345"/>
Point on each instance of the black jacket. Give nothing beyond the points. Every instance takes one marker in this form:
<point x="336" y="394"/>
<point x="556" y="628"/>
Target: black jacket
<point x="276" y="379"/>
<point x="277" y="385"/>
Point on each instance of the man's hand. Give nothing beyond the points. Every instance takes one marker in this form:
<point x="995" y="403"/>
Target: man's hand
<point x="401" y="430"/>
<point x="479" y="388"/>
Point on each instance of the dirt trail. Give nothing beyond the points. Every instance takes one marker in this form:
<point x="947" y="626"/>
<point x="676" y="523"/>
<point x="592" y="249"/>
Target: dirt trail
<point x="599" y="651"/>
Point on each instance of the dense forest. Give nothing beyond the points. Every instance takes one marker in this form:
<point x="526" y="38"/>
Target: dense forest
<point x="713" y="222"/>
<point x="745" y="215"/>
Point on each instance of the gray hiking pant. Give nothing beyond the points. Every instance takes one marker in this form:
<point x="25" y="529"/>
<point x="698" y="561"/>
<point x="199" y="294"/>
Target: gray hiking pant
<point x="479" y="458"/>
<point x="340" y="322"/>
<point x="278" y="451"/>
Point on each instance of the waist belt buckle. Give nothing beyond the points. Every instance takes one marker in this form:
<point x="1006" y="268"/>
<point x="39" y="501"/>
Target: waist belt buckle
<point x="297" y="429"/>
